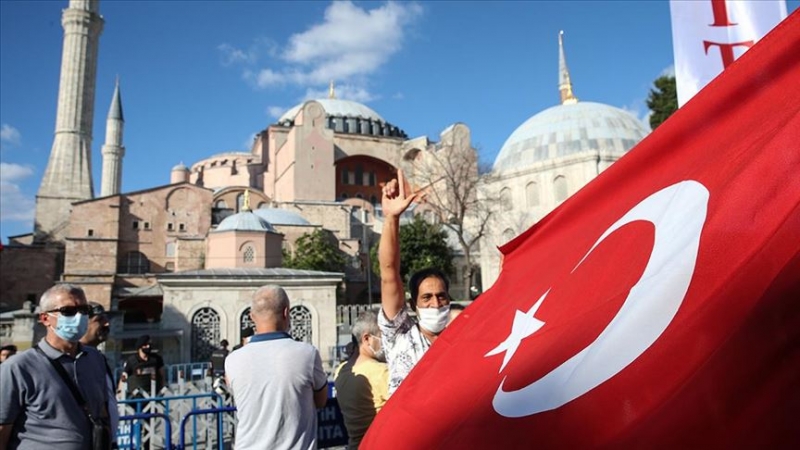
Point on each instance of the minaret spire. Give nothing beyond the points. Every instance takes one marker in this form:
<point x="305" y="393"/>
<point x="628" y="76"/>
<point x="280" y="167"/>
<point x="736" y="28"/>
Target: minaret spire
<point x="68" y="177"/>
<point x="113" y="150"/>
<point x="331" y="92"/>
<point x="564" y="82"/>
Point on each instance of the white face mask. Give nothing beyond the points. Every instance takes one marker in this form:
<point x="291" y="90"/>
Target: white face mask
<point x="378" y="354"/>
<point x="434" y="319"/>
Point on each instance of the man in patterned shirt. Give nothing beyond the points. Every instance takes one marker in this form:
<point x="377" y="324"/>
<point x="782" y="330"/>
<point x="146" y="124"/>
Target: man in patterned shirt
<point x="405" y="339"/>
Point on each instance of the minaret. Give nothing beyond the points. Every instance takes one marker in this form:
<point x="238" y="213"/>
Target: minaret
<point x="564" y="82"/>
<point x="68" y="177"/>
<point x="113" y="150"/>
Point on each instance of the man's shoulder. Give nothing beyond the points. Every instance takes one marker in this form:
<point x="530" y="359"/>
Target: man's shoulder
<point x="24" y="361"/>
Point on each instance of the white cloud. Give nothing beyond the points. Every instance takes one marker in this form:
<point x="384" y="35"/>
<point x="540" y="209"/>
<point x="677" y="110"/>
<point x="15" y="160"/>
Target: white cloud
<point x="10" y="135"/>
<point x="259" y="48"/>
<point x="345" y="91"/>
<point x="668" y="71"/>
<point x="350" y="44"/>
<point x="276" y="111"/>
<point x="14" y="205"/>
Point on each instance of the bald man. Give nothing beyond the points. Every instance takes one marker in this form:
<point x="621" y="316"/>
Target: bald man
<point x="277" y="383"/>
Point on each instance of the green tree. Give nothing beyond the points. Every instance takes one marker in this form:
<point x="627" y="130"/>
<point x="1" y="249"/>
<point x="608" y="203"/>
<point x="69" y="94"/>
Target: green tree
<point x="662" y="100"/>
<point x="316" y="251"/>
<point x="422" y="245"/>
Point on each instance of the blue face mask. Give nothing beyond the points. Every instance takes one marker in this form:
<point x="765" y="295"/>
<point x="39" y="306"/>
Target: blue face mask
<point x="71" y="328"/>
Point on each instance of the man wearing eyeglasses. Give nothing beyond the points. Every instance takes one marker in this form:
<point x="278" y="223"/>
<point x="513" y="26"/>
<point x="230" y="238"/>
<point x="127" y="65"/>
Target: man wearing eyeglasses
<point x="38" y="408"/>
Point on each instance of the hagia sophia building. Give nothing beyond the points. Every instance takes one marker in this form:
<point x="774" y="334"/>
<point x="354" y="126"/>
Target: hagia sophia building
<point x="181" y="261"/>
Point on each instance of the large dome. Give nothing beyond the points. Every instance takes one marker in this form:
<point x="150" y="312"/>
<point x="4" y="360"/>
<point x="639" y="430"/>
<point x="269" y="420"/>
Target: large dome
<point x="568" y="129"/>
<point x="336" y="107"/>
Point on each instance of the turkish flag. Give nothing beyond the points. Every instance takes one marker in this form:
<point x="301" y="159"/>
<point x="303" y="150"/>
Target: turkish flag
<point x="659" y="307"/>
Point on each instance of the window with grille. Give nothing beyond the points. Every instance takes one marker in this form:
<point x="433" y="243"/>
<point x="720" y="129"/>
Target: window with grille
<point x="245" y="322"/>
<point x="300" y="320"/>
<point x="249" y="254"/>
<point x="134" y="262"/>
<point x="205" y="334"/>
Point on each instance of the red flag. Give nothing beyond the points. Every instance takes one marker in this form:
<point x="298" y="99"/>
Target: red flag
<point x="659" y="307"/>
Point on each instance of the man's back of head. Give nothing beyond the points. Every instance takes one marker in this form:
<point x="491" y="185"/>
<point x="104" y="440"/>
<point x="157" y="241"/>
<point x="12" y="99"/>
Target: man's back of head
<point x="270" y="309"/>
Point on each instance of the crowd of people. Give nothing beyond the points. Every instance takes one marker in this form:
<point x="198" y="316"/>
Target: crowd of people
<point x="62" y="391"/>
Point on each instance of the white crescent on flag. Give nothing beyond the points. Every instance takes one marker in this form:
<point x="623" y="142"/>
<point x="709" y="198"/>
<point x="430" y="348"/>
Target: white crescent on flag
<point x="678" y="214"/>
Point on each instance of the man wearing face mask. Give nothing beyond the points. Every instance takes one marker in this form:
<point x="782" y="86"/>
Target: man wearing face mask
<point x="362" y="381"/>
<point x="404" y="339"/>
<point x="142" y="368"/>
<point x="38" y="408"/>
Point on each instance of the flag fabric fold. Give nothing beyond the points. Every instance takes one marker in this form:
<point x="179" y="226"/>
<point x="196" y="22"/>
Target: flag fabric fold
<point x="659" y="307"/>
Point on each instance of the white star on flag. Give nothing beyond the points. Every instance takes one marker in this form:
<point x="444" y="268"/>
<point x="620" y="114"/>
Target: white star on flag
<point x="525" y="324"/>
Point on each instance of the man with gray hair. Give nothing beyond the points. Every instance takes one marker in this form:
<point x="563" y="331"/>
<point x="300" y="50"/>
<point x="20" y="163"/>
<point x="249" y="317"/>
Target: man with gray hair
<point x="362" y="382"/>
<point x="276" y="382"/>
<point x="55" y="393"/>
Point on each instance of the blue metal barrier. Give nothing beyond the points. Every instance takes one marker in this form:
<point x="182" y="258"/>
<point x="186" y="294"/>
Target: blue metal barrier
<point x="167" y="423"/>
<point x="140" y="403"/>
<point x="194" y="413"/>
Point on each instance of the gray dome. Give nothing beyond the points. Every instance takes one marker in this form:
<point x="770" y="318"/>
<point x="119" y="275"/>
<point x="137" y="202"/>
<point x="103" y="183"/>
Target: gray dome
<point x="336" y="107"/>
<point x="568" y="129"/>
<point x="245" y="221"/>
<point x="180" y="167"/>
<point x="278" y="216"/>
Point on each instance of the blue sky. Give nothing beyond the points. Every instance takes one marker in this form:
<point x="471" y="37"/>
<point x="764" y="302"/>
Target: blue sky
<point x="200" y="78"/>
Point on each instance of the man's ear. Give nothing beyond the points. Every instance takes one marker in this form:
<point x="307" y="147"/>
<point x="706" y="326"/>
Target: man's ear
<point x="44" y="318"/>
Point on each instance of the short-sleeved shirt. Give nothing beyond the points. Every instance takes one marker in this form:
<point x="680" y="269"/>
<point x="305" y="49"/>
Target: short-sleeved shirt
<point x="361" y="389"/>
<point x="403" y="343"/>
<point x="141" y="372"/>
<point x="39" y="404"/>
<point x="273" y="379"/>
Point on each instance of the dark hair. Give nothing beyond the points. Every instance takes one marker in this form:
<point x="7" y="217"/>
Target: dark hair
<point x="11" y="348"/>
<point x="224" y="343"/>
<point x="421" y="275"/>
<point x="247" y="332"/>
<point x="142" y="341"/>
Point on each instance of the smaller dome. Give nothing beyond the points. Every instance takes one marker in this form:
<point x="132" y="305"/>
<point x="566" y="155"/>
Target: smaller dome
<point x="245" y="221"/>
<point x="278" y="216"/>
<point x="180" y="167"/>
<point x="568" y="129"/>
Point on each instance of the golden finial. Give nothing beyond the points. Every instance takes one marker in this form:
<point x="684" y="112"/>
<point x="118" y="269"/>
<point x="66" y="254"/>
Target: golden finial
<point x="331" y="92"/>
<point x="246" y="202"/>
<point x="564" y="81"/>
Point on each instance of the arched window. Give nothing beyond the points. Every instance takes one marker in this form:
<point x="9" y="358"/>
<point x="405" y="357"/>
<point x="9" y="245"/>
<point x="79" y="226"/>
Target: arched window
<point x="508" y="234"/>
<point x="134" y="262"/>
<point x="245" y="322"/>
<point x="505" y="199"/>
<point x="560" y="188"/>
<point x="532" y="194"/>
<point x="300" y="320"/>
<point x="360" y="175"/>
<point x="205" y="334"/>
<point x="345" y="176"/>
<point x="221" y="204"/>
<point x="249" y="254"/>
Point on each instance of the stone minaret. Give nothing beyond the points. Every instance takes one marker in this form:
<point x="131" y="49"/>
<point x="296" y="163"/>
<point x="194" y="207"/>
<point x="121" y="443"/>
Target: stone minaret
<point x="113" y="150"/>
<point x="564" y="82"/>
<point x="68" y="177"/>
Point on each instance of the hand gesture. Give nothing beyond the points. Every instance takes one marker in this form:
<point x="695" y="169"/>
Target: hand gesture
<point x="397" y="196"/>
